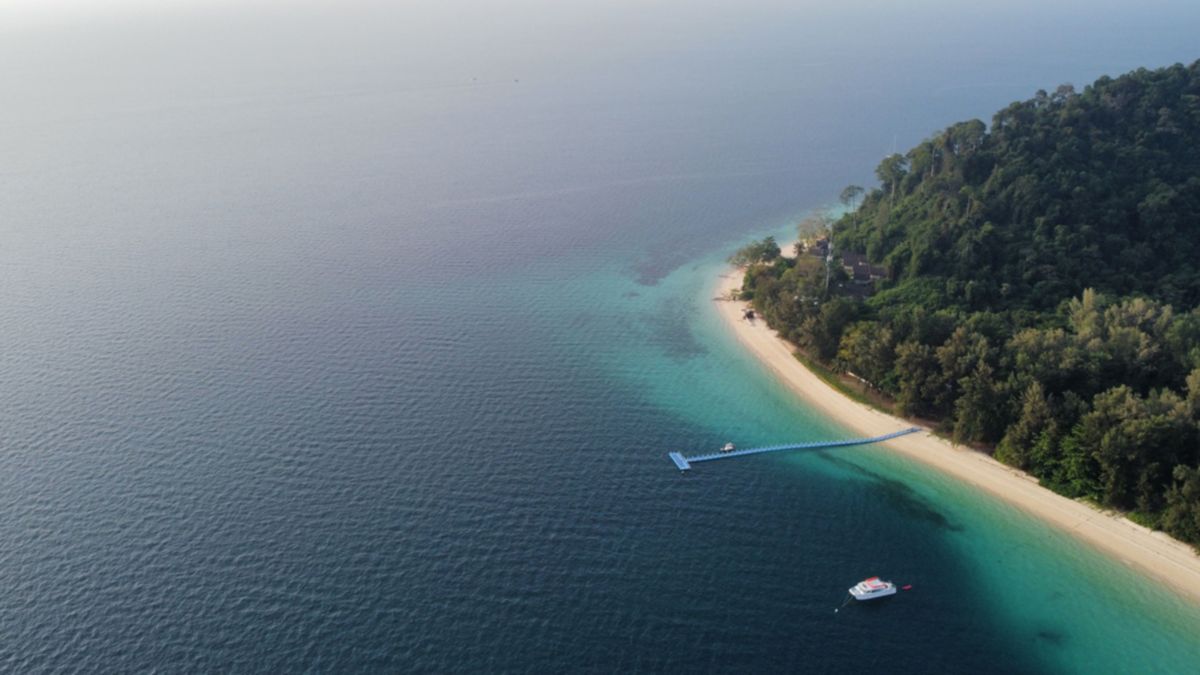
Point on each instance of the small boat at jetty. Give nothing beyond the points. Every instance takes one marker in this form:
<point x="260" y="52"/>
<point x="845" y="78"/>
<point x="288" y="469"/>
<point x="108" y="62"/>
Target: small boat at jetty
<point x="729" y="447"/>
<point x="870" y="589"/>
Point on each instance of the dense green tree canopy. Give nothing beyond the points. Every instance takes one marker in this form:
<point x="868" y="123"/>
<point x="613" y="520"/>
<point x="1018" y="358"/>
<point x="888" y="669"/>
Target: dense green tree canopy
<point x="757" y="251"/>
<point x="1042" y="290"/>
<point x="1066" y="191"/>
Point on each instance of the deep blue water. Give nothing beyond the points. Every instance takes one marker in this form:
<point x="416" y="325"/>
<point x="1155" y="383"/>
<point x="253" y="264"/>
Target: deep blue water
<point x="354" y="339"/>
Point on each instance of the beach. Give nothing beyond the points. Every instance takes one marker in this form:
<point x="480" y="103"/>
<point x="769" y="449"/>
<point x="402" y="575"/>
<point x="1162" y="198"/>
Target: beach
<point x="1153" y="553"/>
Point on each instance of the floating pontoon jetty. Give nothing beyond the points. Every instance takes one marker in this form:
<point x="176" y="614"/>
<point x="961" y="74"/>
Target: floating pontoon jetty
<point x="685" y="463"/>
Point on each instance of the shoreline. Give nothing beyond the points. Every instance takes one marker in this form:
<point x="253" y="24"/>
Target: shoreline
<point x="1152" y="553"/>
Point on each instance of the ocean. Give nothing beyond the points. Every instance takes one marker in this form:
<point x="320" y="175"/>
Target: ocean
<point x="351" y="337"/>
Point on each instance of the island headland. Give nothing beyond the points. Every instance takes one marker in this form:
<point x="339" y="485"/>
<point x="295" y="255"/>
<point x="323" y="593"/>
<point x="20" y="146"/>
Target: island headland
<point x="1030" y="288"/>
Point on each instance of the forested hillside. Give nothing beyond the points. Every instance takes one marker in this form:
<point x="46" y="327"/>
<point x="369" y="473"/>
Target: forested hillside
<point x="1041" y="292"/>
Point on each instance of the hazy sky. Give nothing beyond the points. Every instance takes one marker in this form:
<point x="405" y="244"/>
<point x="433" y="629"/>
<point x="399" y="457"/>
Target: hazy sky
<point x="58" y="55"/>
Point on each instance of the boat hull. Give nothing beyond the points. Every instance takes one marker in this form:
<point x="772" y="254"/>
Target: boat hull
<point x="871" y="595"/>
<point x="872" y="589"/>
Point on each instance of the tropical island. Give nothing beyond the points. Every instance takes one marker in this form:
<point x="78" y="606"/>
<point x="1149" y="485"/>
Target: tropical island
<point x="1031" y="288"/>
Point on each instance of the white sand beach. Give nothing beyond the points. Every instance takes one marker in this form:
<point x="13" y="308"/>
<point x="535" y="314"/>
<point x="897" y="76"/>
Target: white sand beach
<point x="1153" y="553"/>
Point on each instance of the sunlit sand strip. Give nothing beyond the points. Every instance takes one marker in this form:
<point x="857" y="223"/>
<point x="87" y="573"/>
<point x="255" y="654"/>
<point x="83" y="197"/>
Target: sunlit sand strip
<point x="1153" y="553"/>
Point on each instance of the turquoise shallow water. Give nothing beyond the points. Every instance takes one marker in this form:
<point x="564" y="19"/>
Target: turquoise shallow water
<point x="1051" y="598"/>
<point x="1018" y="595"/>
<point x="327" y="347"/>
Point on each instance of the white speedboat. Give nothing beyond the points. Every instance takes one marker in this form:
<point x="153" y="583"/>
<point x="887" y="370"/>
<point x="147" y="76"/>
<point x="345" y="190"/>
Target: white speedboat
<point x="728" y="448"/>
<point x="870" y="589"/>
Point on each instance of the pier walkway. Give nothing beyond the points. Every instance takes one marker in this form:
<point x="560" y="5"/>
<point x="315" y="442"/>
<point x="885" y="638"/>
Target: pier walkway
<point x="685" y="463"/>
